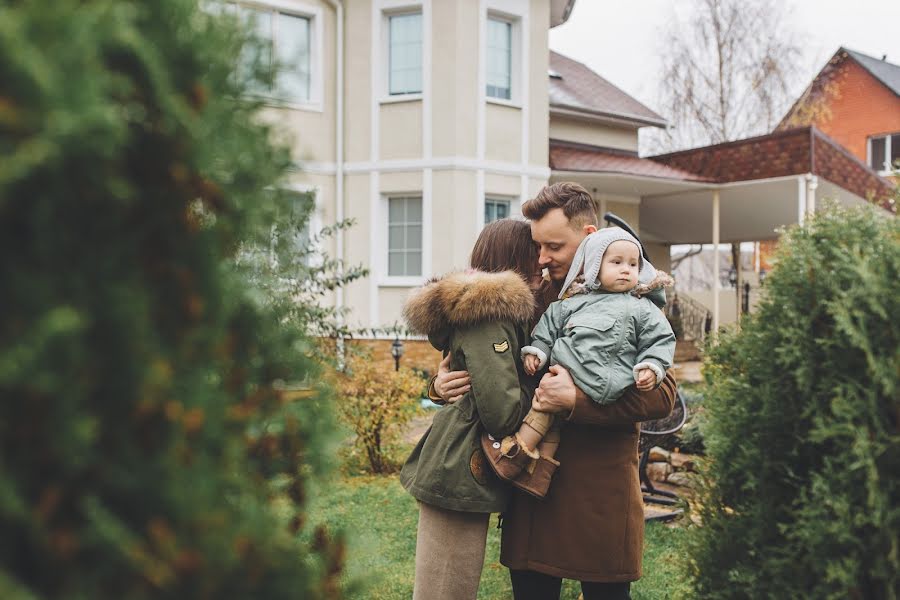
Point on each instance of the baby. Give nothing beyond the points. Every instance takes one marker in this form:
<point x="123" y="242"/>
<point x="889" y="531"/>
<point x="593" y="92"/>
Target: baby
<point x="603" y="333"/>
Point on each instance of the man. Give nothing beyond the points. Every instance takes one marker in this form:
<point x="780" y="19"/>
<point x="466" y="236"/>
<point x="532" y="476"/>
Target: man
<point x="590" y="526"/>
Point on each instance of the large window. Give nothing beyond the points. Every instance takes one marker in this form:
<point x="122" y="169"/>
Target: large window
<point x="884" y="152"/>
<point x="495" y="209"/>
<point x="405" y="54"/>
<point x="405" y="236"/>
<point x="284" y="40"/>
<point x="499" y="59"/>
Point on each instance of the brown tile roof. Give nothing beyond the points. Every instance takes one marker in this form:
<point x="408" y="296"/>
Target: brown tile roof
<point x="568" y="156"/>
<point x="576" y="87"/>
<point x="789" y="152"/>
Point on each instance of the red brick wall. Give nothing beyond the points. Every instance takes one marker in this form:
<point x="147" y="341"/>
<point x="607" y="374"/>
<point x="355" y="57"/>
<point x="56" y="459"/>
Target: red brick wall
<point x="861" y="106"/>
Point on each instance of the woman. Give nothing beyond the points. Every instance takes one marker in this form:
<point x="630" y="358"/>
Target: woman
<point x="482" y="317"/>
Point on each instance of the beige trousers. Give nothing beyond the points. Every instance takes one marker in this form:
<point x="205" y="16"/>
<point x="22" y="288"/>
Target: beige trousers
<point x="449" y="553"/>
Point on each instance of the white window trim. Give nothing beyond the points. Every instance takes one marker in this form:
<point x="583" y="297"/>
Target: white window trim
<point x="508" y="12"/>
<point x="380" y="260"/>
<point x="887" y="152"/>
<point x="515" y="208"/>
<point x="388" y="9"/>
<point x="316" y="51"/>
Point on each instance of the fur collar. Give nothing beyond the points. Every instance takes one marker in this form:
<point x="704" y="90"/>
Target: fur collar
<point x="467" y="298"/>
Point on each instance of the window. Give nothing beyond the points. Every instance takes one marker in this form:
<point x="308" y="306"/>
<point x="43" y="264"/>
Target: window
<point x="290" y="235"/>
<point x="495" y="209"/>
<point x="284" y="40"/>
<point x="499" y="59"/>
<point x="884" y="152"/>
<point x="405" y="54"/>
<point x="404" y="236"/>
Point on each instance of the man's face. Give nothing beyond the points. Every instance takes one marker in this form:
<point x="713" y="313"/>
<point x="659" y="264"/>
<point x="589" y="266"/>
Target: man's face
<point x="558" y="242"/>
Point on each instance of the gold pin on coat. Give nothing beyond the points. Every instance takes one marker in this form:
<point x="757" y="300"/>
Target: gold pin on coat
<point x="501" y="347"/>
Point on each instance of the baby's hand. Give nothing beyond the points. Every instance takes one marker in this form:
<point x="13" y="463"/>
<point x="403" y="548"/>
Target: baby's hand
<point x="532" y="363"/>
<point x="646" y="380"/>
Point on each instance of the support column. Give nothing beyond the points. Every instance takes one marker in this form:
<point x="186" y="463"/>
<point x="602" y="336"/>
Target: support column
<point x="715" y="241"/>
<point x="812" y="182"/>
<point x="739" y="281"/>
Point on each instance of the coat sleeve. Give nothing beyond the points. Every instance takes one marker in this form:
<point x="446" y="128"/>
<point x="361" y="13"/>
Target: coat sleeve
<point x="656" y="340"/>
<point x="632" y="407"/>
<point x="491" y="351"/>
<point x="546" y="332"/>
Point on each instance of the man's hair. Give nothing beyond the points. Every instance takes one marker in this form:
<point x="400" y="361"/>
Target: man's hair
<point x="574" y="200"/>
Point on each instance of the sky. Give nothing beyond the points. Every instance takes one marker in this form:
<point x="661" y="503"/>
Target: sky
<point x="619" y="39"/>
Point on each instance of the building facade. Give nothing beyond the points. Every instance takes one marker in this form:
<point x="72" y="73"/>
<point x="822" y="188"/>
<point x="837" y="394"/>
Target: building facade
<point x="855" y="100"/>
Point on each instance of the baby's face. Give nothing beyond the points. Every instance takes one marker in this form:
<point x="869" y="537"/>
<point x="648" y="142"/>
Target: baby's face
<point x="619" y="267"/>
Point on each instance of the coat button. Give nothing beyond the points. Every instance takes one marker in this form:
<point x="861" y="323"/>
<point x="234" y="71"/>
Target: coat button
<point x="490" y="437"/>
<point x="495" y="445"/>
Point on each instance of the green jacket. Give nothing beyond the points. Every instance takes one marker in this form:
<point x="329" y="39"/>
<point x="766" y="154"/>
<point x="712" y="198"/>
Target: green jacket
<point x="482" y="319"/>
<point x="600" y="337"/>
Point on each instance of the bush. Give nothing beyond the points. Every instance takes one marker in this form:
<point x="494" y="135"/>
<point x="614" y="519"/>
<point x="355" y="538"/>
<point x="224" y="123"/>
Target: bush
<point x="136" y="363"/>
<point x="801" y="497"/>
<point x="375" y="402"/>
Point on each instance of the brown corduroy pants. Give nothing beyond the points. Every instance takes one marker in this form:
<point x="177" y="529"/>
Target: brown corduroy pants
<point x="449" y="553"/>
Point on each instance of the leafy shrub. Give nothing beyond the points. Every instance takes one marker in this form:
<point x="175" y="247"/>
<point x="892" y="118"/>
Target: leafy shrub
<point x="141" y="433"/>
<point x="801" y="496"/>
<point x="376" y="402"/>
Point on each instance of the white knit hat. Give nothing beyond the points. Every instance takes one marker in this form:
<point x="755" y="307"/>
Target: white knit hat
<point x="590" y="254"/>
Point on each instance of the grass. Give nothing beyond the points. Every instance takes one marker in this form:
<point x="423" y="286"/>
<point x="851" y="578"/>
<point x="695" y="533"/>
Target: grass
<point x="379" y="519"/>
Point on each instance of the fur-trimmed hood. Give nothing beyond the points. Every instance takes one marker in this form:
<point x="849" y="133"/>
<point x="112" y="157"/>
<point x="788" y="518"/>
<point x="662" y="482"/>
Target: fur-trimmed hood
<point x="467" y="298"/>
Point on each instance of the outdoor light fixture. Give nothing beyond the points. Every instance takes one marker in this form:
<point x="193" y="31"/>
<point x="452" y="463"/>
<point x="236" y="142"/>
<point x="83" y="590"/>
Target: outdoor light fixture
<point x="762" y="276"/>
<point x="397" y="352"/>
<point x="732" y="276"/>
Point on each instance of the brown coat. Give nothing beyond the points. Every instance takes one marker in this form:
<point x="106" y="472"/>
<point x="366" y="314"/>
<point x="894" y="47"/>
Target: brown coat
<point x="590" y="526"/>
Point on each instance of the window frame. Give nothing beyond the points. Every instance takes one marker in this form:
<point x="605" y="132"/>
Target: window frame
<point x="497" y="199"/>
<point x="386" y="279"/>
<point x="314" y="15"/>
<point x="515" y="60"/>
<point x="887" y="168"/>
<point x="384" y="69"/>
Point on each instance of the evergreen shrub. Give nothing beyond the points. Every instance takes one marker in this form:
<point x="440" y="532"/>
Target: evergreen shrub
<point x="144" y="442"/>
<point x="801" y="494"/>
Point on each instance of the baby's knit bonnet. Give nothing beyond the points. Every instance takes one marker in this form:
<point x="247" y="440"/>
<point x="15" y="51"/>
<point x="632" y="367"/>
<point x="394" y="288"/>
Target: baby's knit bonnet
<point x="590" y="254"/>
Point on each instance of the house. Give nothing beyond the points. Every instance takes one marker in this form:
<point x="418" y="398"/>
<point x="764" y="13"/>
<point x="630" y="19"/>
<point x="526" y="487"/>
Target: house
<point x="420" y="119"/>
<point x="424" y="120"/>
<point x="854" y="100"/>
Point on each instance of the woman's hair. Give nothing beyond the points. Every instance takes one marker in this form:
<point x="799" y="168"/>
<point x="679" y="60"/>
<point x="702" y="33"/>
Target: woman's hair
<point x="506" y="245"/>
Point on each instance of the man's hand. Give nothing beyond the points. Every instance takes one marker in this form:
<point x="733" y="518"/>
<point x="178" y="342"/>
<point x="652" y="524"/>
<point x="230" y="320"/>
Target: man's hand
<point x="531" y="363"/>
<point x="556" y="392"/>
<point x="646" y="380"/>
<point x="451" y="385"/>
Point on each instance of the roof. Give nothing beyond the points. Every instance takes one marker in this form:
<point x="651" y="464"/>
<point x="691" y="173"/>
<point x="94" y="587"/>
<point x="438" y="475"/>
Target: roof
<point x="570" y="156"/>
<point x="885" y="72"/>
<point x="575" y="87"/>
<point x="789" y="152"/>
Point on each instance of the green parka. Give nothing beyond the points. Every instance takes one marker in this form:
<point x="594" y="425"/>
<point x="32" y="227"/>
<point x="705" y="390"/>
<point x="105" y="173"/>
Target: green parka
<point x="482" y="319"/>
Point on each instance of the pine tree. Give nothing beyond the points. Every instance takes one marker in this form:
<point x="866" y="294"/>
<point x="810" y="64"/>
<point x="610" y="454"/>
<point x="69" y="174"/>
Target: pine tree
<point x="802" y="498"/>
<point x="144" y="443"/>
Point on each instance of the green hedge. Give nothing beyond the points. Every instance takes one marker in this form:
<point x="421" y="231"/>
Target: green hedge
<point x="802" y="494"/>
<point x="143" y="444"/>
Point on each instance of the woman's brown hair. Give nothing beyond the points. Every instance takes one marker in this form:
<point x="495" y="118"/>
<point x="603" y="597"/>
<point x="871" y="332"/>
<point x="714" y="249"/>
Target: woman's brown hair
<point x="506" y="245"/>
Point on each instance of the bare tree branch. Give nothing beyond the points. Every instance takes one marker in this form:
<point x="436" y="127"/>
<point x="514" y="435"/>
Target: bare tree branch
<point x="728" y="72"/>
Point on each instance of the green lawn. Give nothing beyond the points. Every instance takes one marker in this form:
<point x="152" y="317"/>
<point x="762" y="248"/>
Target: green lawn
<point x="379" y="518"/>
